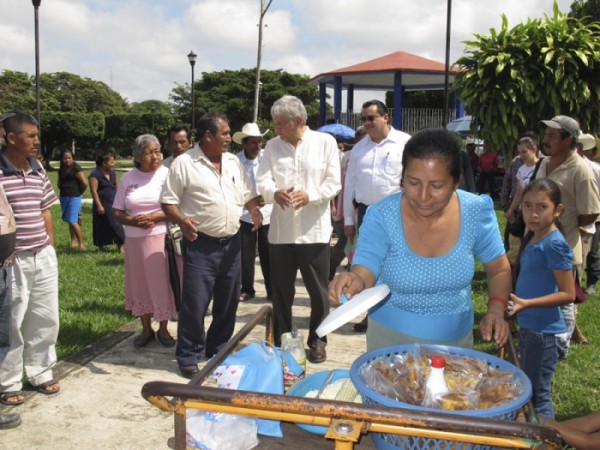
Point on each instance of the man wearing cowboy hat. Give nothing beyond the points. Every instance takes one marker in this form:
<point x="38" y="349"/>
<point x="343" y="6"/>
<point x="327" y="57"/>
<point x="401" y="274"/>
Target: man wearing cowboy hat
<point x="251" y="139"/>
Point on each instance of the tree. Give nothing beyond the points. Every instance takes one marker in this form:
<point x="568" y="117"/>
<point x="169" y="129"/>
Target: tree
<point x="232" y="91"/>
<point x="587" y="11"/>
<point x="536" y="70"/>
<point x="60" y="129"/>
<point x="17" y="91"/>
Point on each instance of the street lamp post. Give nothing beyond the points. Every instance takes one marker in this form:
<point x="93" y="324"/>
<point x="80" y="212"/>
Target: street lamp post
<point x="192" y="59"/>
<point x="36" y="7"/>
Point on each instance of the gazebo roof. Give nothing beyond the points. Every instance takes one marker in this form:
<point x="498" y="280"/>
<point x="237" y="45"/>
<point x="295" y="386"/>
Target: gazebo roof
<point x="418" y="73"/>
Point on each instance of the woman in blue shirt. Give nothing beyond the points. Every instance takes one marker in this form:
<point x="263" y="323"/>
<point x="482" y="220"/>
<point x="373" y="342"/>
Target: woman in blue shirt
<point x="422" y="243"/>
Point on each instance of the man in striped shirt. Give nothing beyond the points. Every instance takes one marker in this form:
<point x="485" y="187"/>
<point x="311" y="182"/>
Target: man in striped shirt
<point x="34" y="325"/>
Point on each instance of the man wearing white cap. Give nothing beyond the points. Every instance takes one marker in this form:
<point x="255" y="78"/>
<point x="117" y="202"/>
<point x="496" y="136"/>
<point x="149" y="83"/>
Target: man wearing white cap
<point x="586" y="147"/>
<point x="251" y="139"/>
<point x="579" y="193"/>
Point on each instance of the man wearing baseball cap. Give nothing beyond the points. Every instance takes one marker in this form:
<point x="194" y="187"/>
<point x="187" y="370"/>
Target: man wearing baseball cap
<point x="579" y="192"/>
<point x="251" y="139"/>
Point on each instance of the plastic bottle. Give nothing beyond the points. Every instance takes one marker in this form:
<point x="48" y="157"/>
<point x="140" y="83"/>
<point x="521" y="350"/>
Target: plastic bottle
<point x="436" y="383"/>
<point x="293" y="342"/>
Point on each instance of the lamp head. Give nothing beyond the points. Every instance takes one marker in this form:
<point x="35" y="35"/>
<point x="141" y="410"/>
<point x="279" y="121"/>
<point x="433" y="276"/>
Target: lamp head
<point x="191" y="57"/>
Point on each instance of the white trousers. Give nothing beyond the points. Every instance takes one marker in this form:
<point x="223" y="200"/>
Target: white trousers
<point x="34" y="326"/>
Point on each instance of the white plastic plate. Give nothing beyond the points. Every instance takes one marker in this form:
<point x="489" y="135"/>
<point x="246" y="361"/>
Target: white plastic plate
<point x="351" y="309"/>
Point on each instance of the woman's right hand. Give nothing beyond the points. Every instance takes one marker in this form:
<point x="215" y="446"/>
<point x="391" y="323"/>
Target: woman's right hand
<point x="348" y="283"/>
<point x="100" y="210"/>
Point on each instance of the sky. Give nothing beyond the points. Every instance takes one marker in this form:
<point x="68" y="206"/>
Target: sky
<point x="140" y="47"/>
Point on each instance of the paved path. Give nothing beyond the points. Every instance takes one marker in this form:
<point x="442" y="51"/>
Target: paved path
<point x="100" y="405"/>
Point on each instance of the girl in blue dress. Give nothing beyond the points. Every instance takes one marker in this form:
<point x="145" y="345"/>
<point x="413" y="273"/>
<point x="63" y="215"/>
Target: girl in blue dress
<point x="544" y="282"/>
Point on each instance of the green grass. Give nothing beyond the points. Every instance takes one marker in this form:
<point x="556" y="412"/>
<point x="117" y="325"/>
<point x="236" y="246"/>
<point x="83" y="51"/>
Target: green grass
<point x="91" y="289"/>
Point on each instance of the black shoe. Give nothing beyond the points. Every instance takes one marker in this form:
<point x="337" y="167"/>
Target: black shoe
<point x="10" y="420"/>
<point x="362" y="326"/>
<point x="189" y="371"/>
<point x="142" y="341"/>
<point x="245" y="297"/>
<point x="317" y="353"/>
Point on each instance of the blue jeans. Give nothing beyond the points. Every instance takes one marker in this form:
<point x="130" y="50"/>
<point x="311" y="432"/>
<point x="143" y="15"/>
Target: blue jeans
<point x="5" y="310"/>
<point x="539" y="356"/>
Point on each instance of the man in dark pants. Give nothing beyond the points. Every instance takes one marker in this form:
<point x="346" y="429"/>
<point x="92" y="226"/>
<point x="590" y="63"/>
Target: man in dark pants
<point x="299" y="174"/>
<point x="205" y="194"/>
<point x="251" y="139"/>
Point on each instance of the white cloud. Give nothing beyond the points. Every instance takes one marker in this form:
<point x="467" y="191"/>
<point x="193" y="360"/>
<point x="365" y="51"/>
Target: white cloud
<point x="140" y="46"/>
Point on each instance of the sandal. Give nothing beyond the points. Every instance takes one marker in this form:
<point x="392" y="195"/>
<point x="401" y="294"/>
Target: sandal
<point x="166" y="339"/>
<point x="142" y="340"/>
<point x="7" y="395"/>
<point x="44" y="387"/>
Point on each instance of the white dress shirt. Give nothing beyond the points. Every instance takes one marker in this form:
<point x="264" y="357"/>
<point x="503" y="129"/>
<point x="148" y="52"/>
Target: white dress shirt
<point x="312" y="166"/>
<point x="216" y="200"/>
<point x="251" y="167"/>
<point x="374" y="171"/>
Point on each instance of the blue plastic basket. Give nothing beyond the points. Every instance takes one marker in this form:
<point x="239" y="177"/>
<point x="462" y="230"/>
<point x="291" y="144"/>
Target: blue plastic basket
<point x="384" y="441"/>
<point x="311" y="383"/>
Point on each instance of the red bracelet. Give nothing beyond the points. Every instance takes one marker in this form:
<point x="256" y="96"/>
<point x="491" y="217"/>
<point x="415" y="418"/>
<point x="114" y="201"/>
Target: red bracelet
<point x="500" y="300"/>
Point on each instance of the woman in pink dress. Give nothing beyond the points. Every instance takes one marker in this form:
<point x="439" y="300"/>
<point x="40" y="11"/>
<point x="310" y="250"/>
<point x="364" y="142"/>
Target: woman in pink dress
<point x="147" y="290"/>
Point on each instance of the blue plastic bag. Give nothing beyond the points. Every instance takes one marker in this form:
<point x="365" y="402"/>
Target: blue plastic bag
<point x="258" y="367"/>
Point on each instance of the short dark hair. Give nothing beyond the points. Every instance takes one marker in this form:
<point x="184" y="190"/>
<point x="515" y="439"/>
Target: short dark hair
<point x="176" y="128"/>
<point x="210" y="122"/>
<point x="434" y="143"/>
<point x="535" y="137"/>
<point x="14" y="123"/>
<point x="381" y="108"/>
<point x="101" y="159"/>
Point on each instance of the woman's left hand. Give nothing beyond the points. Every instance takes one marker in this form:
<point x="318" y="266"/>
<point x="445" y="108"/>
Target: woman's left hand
<point x="494" y="327"/>
<point x="144" y="221"/>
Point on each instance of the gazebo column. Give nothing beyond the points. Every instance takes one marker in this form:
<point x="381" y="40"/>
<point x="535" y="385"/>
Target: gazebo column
<point x="322" y="103"/>
<point x="398" y="101"/>
<point x="337" y="98"/>
<point x="350" y="106"/>
<point x="459" y="106"/>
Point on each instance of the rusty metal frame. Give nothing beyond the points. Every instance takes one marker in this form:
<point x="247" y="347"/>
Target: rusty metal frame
<point x="345" y="421"/>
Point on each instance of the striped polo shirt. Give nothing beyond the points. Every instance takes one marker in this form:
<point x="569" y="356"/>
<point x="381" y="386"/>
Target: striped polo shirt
<point x="28" y="194"/>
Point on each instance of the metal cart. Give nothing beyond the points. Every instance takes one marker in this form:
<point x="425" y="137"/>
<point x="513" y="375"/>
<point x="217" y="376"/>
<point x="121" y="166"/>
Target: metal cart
<point x="346" y="422"/>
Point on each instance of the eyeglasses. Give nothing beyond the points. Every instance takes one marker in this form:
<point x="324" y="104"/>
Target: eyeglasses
<point x="369" y="118"/>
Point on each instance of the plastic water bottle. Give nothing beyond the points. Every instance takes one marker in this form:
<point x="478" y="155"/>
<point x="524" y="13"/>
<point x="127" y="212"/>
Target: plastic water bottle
<point x="436" y="383"/>
<point x="293" y="342"/>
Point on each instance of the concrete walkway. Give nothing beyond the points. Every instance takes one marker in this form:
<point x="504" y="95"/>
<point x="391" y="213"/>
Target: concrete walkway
<point x="100" y="405"/>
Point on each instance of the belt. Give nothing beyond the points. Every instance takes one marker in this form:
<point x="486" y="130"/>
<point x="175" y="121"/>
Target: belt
<point x="221" y="240"/>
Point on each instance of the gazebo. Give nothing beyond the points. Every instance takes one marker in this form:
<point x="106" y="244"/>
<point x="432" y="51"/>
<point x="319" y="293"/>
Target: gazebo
<point x="398" y="71"/>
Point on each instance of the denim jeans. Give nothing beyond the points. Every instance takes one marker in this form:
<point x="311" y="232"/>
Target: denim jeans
<point x="5" y="310"/>
<point x="539" y="356"/>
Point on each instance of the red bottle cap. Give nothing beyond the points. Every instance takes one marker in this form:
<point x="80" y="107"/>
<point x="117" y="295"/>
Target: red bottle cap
<point x="438" y="361"/>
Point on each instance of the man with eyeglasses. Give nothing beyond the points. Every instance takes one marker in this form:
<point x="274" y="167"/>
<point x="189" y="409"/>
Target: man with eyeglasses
<point x="374" y="169"/>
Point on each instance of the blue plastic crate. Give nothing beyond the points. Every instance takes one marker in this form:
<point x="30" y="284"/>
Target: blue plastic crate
<point x="383" y="441"/>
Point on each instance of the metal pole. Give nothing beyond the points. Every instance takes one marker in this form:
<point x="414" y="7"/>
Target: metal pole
<point x="192" y="59"/>
<point x="36" y="6"/>
<point x="447" y="71"/>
